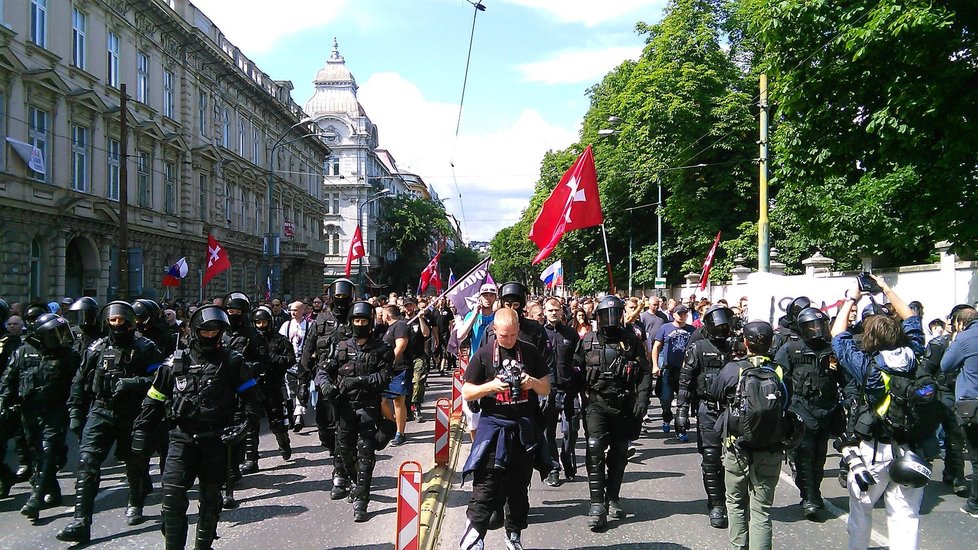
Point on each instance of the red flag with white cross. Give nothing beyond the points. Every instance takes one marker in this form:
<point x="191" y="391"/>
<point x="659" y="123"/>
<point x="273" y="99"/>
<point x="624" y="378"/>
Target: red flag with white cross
<point x="708" y="263"/>
<point x="217" y="259"/>
<point x="356" y="250"/>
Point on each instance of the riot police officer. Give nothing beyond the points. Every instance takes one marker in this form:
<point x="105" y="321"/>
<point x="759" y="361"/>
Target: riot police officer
<point x="271" y="381"/>
<point x="704" y="360"/>
<point x="8" y="345"/>
<point x="364" y="369"/>
<point x="319" y="358"/>
<point x="787" y="324"/>
<point x="116" y="373"/>
<point x="198" y="388"/>
<point x="87" y="318"/>
<point x="38" y="382"/>
<point x="150" y="323"/>
<point x="617" y="382"/>
<point x="808" y="361"/>
<point x="513" y="295"/>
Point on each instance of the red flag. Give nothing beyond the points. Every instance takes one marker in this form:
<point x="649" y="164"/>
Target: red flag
<point x="356" y="250"/>
<point x="430" y="275"/>
<point x="708" y="263"/>
<point x="573" y="204"/>
<point x="217" y="259"/>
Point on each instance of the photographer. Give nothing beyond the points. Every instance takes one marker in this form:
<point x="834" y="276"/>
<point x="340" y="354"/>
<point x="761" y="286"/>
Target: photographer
<point x="506" y="377"/>
<point x="888" y="351"/>
<point x="962" y="355"/>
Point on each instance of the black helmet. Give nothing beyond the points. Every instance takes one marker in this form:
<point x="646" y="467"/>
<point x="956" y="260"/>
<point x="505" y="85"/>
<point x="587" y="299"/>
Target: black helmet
<point x="146" y="312"/>
<point x="121" y="335"/>
<point x="917" y="308"/>
<point x="264" y="314"/>
<point x="209" y="317"/>
<point x="758" y="334"/>
<point x="813" y="324"/>
<point x="43" y="318"/>
<point x="50" y="333"/>
<point x="342" y="292"/>
<point x="717" y="321"/>
<point x="4" y="310"/>
<point x="362" y="310"/>
<point x="795" y="307"/>
<point x="33" y="312"/>
<point x="513" y="292"/>
<point x="118" y="307"/>
<point x="610" y="311"/>
<point x="873" y="308"/>
<point x="87" y="316"/>
<point x="953" y="316"/>
<point x="237" y="300"/>
<point x="794" y="431"/>
<point x="909" y="469"/>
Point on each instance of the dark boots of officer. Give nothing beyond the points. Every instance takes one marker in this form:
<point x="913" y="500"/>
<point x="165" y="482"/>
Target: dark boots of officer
<point x="116" y="373"/>
<point x="617" y="381"/>
<point x="39" y="380"/>
<point x="816" y="381"/>
<point x="365" y="367"/>
<point x="281" y="356"/>
<point x="704" y="360"/>
<point x="203" y="427"/>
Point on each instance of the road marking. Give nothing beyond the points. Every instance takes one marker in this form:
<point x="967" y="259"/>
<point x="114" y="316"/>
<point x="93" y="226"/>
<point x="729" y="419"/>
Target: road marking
<point x="841" y="514"/>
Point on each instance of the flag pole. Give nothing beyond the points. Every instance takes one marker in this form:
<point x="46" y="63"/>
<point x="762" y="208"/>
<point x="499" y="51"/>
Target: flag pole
<point x="457" y="282"/>
<point x="607" y="259"/>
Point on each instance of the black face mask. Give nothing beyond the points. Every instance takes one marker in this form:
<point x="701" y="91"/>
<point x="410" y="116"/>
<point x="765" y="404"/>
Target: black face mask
<point x="122" y="336"/>
<point x="361" y="331"/>
<point x="206" y="345"/>
<point x="235" y="321"/>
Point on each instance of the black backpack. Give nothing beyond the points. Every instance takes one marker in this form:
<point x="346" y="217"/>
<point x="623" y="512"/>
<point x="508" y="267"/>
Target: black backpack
<point x="756" y="416"/>
<point x="912" y="407"/>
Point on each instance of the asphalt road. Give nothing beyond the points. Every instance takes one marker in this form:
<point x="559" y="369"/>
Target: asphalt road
<point x="285" y="505"/>
<point x="666" y="509"/>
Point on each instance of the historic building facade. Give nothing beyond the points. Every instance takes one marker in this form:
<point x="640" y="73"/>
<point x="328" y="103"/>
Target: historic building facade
<point x="202" y="121"/>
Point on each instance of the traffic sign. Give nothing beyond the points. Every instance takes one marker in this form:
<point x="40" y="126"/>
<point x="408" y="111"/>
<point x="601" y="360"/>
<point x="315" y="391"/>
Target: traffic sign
<point x="660" y="282"/>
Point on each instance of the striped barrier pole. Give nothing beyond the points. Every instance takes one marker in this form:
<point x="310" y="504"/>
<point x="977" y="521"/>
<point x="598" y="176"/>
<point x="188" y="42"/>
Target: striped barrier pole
<point x="442" y="423"/>
<point x="408" y="506"/>
<point x="457" y="393"/>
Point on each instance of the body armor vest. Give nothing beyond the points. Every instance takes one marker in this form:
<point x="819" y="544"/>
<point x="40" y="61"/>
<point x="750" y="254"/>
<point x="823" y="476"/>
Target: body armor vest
<point x="201" y="392"/>
<point x="329" y="333"/>
<point x="112" y="363"/>
<point x="810" y="376"/>
<point x="44" y="381"/>
<point x="612" y="364"/>
<point x="711" y="360"/>
<point x="355" y="361"/>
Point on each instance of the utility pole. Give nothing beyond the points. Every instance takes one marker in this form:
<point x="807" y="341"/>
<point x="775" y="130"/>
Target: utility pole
<point x="123" y="198"/>
<point x="763" y="230"/>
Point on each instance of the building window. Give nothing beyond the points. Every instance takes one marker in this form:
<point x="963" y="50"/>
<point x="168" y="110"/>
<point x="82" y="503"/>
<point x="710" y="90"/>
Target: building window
<point x="226" y="134"/>
<point x="113" y="67"/>
<point x="259" y="209"/>
<point x="34" y="270"/>
<point x="142" y="78"/>
<point x="228" y="202"/>
<point x="168" y="94"/>
<point x="169" y="188"/>
<point x="202" y="112"/>
<point x="373" y="247"/>
<point x="78" y="23"/>
<point x="39" y="22"/>
<point x="112" y="162"/>
<point x="3" y="126"/>
<point x="243" y="218"/>
<point x="241" y="136"/>
<point x="255" y="144"/>
<point x="336" y="203"/>
<point x="202" y="204"/>
<point x="79" y="158"/>
<point x="38" y="137"/>
<point x="333" y="166"/>
<point x="144" y="181"/>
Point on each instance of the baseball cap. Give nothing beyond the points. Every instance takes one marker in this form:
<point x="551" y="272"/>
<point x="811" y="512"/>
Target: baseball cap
<point x="681" y="309"/>
<point x="487" y="288"/>
<point x="410" y="300"/>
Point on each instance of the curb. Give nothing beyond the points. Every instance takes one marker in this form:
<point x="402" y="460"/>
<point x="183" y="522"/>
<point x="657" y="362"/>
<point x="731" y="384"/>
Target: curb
<point x="438" y="481"/>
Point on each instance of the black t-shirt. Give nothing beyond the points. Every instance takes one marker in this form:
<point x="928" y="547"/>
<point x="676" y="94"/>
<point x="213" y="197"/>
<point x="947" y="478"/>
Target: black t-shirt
<point x="482" y="368"/>
<point x="443" y="320"/>
<point x="399" y="329"/>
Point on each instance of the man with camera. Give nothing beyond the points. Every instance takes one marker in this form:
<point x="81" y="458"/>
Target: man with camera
<point x="962" y="356"/>
<point x="506" y="377"/>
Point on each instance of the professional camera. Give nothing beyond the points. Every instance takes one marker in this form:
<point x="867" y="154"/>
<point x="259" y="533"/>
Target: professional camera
<point x="510" y="372"/>
<point x="868" y="284"/>
<point x="736" y="339"/>
<point x="854" y="463"/>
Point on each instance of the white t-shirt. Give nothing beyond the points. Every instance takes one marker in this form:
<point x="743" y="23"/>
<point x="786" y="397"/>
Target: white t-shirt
<point x="296" y="333"/>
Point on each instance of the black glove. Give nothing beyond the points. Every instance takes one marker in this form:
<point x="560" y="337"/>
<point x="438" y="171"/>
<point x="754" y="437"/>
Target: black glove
<point x="139" y="438"/>
<point x="547" y="405"/>
<point x="328" y="391"/>
<point x="124" y="386"/>
<point x="75" y="425"/>
<point x="234" y="433"/>
<point x="592" y="375"/>
<point x="640" y="408"/>
<point x="303" y="394"/>
<point x="682" y="418"/>
<point x="350" y="383"/>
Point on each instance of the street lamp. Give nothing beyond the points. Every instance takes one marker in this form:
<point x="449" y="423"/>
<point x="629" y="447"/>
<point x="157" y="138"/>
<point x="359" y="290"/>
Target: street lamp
<point x="376" y="196"/>
<point x="272" y="242"/>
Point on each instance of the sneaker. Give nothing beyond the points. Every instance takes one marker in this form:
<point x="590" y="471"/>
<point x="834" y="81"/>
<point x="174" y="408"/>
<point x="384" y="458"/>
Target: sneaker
<point x="665" y="427"/>
<point x="553" y="479"/>
<point x="970" y="510"/>
<point x="398" y="440"/>
<point x="683" y="438"/>
<point x="513" y="541"/>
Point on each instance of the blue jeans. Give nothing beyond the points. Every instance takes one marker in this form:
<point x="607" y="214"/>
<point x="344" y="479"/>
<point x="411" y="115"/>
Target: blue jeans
<point x="668" y="384"/>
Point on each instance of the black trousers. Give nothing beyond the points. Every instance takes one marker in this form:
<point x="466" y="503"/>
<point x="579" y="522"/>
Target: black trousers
<point x="569" y="409"/>
<point x="971" y="436"/>
<point x="356" y="445"/>
<point x="46" y="431"/>
<point x="607" y="428"/>
<point x="189" y="459"/>
<point x="494" y="487"/>
<point x="105" y="427"/>
<point x="809" y="459"/>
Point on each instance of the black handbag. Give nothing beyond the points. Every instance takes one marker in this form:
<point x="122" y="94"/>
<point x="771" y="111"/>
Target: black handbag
<point x="967" y="411"/>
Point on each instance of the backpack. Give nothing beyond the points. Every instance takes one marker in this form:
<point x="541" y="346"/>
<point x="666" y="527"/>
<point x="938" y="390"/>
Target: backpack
<point x="758" y="407"/>
<point x="912" y="407"/>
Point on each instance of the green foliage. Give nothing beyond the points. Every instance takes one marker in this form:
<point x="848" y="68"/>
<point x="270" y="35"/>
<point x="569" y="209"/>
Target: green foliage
<point x="412" y="227"/>
<point x="459" y="259"/>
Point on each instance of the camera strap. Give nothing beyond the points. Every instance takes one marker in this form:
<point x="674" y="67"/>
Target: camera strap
<point x="495" y="355"/>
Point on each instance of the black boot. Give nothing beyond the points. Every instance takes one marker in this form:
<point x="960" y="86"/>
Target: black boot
<point x="341" y="488"/>
<point x="32" y="508"/>
<point x="597" y="517"/>
<point x="360" y="510"/>
<point x="210" y="512"/>
<point x="78" y="531"/>
<point x="86" y="485"/>
<point x="804" y="480"/>
<point x="7" y="480"/>
<point x="712" y="466"/>
<point x="250" y="463"/>
<point x="284" y="445"/>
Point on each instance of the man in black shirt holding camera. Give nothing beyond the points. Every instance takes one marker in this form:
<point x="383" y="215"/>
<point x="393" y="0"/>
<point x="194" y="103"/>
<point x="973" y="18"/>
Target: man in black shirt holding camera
<point x="506" y="377"/>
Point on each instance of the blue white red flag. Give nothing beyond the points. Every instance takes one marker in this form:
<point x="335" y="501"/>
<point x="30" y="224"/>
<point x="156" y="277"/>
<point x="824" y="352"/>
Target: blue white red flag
<point x="176" y="272"/>
<point x="451" y="277"/>
<point x="553" y="275"/>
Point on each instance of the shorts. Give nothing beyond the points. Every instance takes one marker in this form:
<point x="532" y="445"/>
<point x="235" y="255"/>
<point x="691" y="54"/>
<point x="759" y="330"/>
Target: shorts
<point x="471" y="418"/>
<point x="398" y="386"/>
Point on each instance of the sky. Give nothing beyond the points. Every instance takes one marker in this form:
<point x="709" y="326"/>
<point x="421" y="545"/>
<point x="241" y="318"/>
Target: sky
<point x="532" y="63"/>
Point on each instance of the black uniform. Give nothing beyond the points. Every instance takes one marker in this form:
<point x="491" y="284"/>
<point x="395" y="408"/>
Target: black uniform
<point x="254" y="350"/>
<point x="160" y="333"/>
<point x="618" y="379"/>
<point x="109" y="388"/>
<point x="363" y="373"/>
<point x="271" y="381"/>
<point x="11" y="424"/>
<point x="318" y="360"/>
<point x="38" y="385"/>
<point x="201" y="392"/>
<point x="562" y="405"/>
<point x="704" y="360"/>
<point x="953" y="433"/>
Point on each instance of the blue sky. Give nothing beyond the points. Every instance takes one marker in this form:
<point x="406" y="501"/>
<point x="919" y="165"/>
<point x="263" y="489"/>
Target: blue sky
<point x="532" y="62"/>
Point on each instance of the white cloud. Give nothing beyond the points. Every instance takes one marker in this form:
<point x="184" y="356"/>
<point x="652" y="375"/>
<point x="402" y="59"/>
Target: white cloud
<point x="573" y="66"/>
<point x="589" y="12"/>
<point x="495" y="171"/>
<point x="252" y="26"/>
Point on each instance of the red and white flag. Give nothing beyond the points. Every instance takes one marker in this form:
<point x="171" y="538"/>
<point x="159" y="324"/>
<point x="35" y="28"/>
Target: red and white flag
<point x="573" y="204"/>
<point x="430" y="275"/>
<point x="217" y="259"/>
<point x="356" y="250"/>
<point x="708" y="263"/>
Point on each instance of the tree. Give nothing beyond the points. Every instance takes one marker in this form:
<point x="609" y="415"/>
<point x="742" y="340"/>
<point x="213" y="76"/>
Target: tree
<point x="411" y="227"/>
